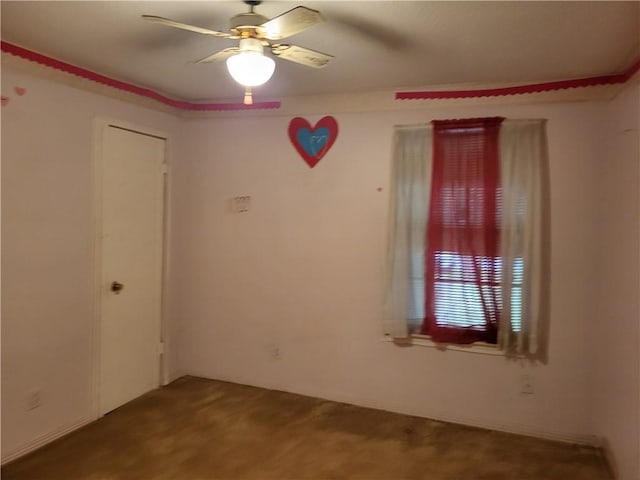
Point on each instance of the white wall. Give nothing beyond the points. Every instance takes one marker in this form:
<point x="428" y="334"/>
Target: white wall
<point x="302" y="272"/>
<point x="47" y="257"/>
<point x="616" y="326"/>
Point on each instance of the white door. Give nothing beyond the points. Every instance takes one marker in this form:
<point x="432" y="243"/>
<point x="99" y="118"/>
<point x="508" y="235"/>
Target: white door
<point x="132" y="225"/>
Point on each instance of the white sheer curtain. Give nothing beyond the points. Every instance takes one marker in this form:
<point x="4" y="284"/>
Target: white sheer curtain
<point x="410" y="186"/>
<point x="523" y="164"/>
<point x="523" y="174"/>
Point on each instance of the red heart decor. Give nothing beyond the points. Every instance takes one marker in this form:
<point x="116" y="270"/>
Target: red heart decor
<point x="20" y="90"/>
<point x="4" y="101"/>
<point x="313" y="143"/>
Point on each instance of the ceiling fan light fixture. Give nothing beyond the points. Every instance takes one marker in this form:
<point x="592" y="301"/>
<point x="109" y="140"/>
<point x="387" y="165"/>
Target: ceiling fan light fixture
<point x="250" y="67"/>
<point x="247" y="63"/>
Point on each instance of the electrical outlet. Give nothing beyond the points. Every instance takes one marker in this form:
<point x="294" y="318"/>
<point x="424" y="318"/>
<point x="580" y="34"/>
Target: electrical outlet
<point x="526" y="384"/>
<point x="275" y="353"/>
<point x="34" y="399"/>
<point x="241" y="204"/>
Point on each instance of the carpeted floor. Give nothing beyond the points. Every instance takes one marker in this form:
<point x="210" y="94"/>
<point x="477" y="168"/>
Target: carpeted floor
<point x="197" y="429"/>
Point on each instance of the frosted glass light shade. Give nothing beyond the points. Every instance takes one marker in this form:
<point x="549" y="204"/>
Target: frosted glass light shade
<point x="250" y="68"/>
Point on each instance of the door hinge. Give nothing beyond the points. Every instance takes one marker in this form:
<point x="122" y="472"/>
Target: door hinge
<point x="161" y="348"/>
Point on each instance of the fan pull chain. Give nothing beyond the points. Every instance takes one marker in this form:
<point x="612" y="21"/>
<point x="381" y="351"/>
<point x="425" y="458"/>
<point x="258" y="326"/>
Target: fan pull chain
<point x="248" y="97"/>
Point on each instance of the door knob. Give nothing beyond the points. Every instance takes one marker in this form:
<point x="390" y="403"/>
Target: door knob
<point x="116" y="287"/>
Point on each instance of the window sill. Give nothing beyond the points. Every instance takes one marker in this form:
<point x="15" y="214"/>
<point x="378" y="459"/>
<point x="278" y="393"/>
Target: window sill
<point x="477" y="347"/>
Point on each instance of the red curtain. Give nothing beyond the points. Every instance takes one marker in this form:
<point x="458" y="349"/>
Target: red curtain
<point x="462" y="262"/>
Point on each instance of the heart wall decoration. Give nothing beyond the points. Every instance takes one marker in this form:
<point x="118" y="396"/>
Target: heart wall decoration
<point x="312" y="143"/>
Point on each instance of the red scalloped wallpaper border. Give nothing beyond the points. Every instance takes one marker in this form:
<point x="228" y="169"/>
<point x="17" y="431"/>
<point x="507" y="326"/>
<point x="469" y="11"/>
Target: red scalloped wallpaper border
<point x="410" y="95"/>
<point x="128" y="87"/>
<point x="522" y="89"/>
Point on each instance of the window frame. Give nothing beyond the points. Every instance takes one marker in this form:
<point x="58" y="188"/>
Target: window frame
<point x="416" y="339"/>
<point x="524" y="156"/>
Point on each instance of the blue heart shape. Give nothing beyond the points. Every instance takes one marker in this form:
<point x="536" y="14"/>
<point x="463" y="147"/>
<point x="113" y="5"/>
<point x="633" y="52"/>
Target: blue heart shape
<point x="313" y="142"/>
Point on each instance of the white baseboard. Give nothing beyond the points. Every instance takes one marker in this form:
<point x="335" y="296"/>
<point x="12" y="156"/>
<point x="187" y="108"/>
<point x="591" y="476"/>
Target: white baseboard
<point x="573" y="438"/>
<point x="337" y="396"/>
<point x="515" y="428"/>
<point x="520" y="429"/>
<point x="582" y="439"/>
<point x="609" y="457"/>
<point x="44" y="439"/>
<point x="174" y="375"/>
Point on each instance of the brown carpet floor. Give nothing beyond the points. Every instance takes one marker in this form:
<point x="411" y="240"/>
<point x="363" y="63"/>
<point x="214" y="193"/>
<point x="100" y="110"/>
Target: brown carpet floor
<point x="197" y="429"/>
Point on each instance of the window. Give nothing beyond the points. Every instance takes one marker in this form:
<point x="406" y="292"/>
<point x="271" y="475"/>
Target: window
<point x="458" y="303"/>
<point x="467" y="229"/>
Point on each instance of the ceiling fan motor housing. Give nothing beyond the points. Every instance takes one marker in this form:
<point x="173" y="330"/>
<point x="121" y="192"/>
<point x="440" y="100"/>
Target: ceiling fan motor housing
<point x="244" y="24"/>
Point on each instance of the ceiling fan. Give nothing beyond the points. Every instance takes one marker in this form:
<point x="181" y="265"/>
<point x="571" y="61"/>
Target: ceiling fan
<point x="246" y="62"/>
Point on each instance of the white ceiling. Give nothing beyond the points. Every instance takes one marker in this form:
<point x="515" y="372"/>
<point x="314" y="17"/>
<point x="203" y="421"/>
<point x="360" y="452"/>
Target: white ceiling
<point x="378" y="45"/>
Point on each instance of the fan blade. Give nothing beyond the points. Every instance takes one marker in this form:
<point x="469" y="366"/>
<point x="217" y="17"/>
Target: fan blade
<point x="221" y="55"/>
<point x="184" y="26"/>
<point x="289" y="23"/>
<point x="305" y="56"/>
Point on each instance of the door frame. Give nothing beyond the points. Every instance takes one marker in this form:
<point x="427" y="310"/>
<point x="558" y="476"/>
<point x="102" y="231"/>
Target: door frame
<point x="99" y="126"/>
